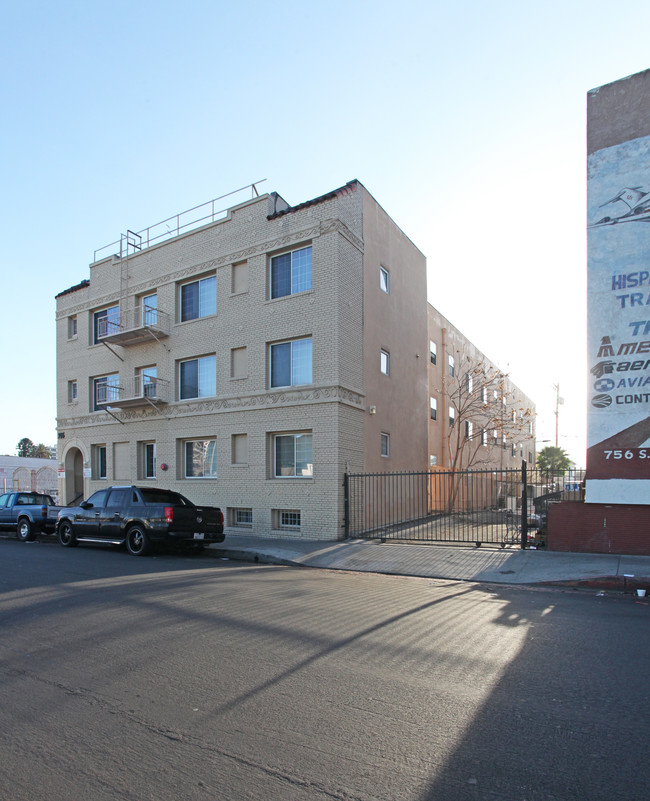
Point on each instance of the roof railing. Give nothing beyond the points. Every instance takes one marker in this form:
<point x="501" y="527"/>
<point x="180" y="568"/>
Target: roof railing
<point x="178" y="224"/>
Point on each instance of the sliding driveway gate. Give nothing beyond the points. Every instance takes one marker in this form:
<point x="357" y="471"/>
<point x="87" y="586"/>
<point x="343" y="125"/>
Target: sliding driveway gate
<point x="497" y="507"/>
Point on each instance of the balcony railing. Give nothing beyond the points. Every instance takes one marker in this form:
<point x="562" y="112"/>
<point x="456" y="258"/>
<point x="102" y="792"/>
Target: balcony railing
<point x="133" y="326"/>
<point x="141" y="391"/>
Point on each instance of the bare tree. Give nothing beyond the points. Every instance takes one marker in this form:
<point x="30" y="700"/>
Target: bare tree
<point x="487" y="418"/>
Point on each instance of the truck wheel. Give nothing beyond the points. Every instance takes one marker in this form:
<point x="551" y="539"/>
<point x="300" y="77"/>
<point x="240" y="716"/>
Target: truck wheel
<point x="66" y="535"/>
<point x="137" y="541"/>
<point x="25" y="530"/>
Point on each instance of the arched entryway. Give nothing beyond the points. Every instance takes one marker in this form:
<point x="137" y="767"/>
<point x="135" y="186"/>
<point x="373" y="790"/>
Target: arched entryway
<point x="73" y="486"/>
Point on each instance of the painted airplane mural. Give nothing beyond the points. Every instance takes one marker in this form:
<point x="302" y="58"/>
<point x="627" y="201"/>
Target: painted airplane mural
<point x="636" y="207"/>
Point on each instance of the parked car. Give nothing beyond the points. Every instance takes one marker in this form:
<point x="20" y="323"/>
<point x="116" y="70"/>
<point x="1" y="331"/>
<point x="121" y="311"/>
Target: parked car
<point x="140" y="517"/>
<point x="30" y="513"/>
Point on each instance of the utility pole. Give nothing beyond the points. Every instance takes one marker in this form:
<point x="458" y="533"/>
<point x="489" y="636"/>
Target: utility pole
<point x="558" y="402"/>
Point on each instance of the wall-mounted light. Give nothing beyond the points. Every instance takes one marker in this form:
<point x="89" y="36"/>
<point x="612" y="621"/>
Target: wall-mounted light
<point x="372" y="409"/>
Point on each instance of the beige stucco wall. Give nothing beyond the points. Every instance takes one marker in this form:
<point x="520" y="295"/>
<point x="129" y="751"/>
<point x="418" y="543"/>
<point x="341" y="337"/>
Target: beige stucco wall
<point x="397" y="323"/>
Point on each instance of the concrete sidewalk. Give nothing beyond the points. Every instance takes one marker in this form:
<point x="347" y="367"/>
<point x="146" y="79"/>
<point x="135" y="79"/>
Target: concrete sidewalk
<point x="464" y="563"/>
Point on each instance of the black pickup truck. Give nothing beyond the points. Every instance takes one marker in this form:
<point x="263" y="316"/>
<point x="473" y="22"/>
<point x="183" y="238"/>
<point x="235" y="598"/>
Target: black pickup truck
<point x="140" y="517"/>
<point x="29" y="513"/>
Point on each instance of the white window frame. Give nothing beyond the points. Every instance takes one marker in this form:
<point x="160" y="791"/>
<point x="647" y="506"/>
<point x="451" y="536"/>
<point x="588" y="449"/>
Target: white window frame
<point x="384" y="362"/>
<point x="207" y="441"/>
<point x="148" y="448"/>
<point x="433" y="408"/>
<point x="296" y="435"/>
<point x="451" y="366"/>
<point x="293" y="254"/>
<point x="384" y="280"/>
<point x="209" y="361"/>
<point x="202" y="313"/>
<point x="73" y="391"/>
<point x="112" y="315"/>
<point x="111" y="382"/>
<point x="433" y="352"/>
<point x="293" y="382"/>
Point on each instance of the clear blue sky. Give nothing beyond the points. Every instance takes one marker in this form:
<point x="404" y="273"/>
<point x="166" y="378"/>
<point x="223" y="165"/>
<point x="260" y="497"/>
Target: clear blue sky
<point x="466" y="121"/>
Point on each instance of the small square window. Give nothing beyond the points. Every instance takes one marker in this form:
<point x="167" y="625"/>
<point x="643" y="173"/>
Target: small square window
<point x="288" y="519"/>
<point x="385" y="445"/>
<point x="241" y="517"/>
<point x="384" y="280"/>
<point x="385" y="362"/>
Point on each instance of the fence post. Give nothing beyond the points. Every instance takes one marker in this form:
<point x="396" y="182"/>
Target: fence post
<point x="346" y="506"/>
<point x="524" y="505"/>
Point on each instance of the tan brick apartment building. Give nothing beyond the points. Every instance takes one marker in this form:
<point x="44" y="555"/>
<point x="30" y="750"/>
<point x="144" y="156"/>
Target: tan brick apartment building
<point x="253" y="360"/>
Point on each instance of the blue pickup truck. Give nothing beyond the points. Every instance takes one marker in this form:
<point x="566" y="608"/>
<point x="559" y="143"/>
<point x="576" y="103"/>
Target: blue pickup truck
<point x="29" y="513"/>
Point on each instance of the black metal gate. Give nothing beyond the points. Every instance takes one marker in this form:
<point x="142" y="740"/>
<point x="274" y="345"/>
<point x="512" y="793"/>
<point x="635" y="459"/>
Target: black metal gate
<point x="496" y="507"/>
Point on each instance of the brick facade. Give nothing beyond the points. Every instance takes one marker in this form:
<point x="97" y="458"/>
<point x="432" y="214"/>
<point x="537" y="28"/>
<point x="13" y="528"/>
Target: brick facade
<point x="346" y="408"/>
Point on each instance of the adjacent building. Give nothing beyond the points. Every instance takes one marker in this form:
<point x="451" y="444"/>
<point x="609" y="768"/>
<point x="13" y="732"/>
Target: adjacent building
<point x="250" y="358"/>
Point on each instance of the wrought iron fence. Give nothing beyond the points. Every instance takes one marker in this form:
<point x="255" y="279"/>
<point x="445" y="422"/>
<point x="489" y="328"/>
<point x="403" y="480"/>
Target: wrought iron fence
<point x="498" y="507"/>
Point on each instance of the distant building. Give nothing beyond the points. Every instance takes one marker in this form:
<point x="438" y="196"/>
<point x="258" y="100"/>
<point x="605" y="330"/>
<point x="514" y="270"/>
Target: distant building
<point x="26" y="473"/>
<point x="252" y="358"/>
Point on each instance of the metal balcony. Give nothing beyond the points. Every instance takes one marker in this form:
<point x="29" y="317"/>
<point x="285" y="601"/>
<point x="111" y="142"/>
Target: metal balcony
<point x="134" y="326"/>
<point x="142" y="391"/>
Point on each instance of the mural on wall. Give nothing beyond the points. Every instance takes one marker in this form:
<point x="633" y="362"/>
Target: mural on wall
<point x="618" y="428"/>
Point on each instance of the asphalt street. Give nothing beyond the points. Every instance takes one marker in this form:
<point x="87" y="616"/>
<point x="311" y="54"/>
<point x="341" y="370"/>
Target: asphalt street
<point x="194" y="678"/>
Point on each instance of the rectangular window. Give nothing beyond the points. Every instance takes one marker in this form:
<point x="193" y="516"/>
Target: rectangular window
<point x="198" y="378"/>
<point x="384" y="280"/>
<point x="433" y="351"/>
<point x="289" y="519"/>
<point x="433" y="408"/>
<point x="105" y="389"/>
<point x="452" y="416"/>
<point x="150" y="309"/>
<point x="293" y="456"/>
<point x="72" y="327"/>
<point x="469" y="383"/>
<point x="452" y="368"/>
<point x="241" y="517"/>
<point x="291" y="273"/>
<point x="484" y="396"/>
<point x="147" y="382"/>
<point x="149" y="460"/>
<point x="469" y="429"/>
<point x="484" y="437"/>
<point x="384" y="363"/>
<point x="99" y="461"/>
<point x="200" y="458"/>
<point x="72" y="391"/>
<point x="291" y="363"/>
<point x="198" y="299"/>
<point x="239" y="453"/>
<point x="385" y="445"/>
<point x="105" y="323"/>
